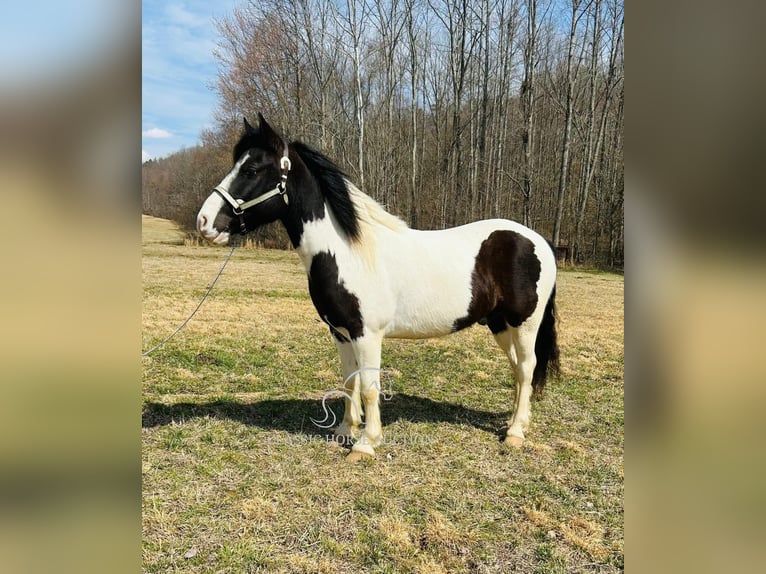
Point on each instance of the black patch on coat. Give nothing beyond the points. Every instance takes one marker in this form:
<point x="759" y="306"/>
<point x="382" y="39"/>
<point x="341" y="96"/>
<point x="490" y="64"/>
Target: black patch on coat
<point x="304" y="189"/>
<point x="332" y="184"/>
<point x="260" y="174"/>
<point x="262" y="137"/>
<point x="313" y="181"/>
<point x="336" y="305"/>
<point x="306" y="200"/>
<point x="503" y="283"/>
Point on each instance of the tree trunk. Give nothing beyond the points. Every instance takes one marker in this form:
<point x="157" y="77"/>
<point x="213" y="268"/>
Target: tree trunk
<point x="483" y="116"/>
<point x="413" y="113"/>
<point x="527" y="97"/>
<point x="569" y="105"/>
<point x="593" y="148"/>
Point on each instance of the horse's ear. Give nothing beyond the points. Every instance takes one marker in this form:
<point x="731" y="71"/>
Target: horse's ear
<point x="270" y="134"/>
<point x="248" y="127"/>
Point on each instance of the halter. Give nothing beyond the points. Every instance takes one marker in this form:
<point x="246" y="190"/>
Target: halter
<point x="239" y="205"/>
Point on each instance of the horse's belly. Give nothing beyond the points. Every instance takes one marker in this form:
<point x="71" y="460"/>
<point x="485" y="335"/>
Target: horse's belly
<point x="423" y="330"/>
<point x="435" y="316"/>
<point x="431" y="287"/>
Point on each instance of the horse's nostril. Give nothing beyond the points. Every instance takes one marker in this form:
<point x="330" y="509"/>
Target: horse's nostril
<point x="202" y="221"/>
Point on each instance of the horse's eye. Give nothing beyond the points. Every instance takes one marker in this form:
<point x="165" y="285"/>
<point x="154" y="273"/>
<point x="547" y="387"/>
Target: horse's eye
<point x="251" y="170"/>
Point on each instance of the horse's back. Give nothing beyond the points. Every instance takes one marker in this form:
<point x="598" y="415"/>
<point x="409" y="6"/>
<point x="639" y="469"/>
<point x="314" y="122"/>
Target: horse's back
<point x="432" y="274"/>
<point x="468" y="239"/>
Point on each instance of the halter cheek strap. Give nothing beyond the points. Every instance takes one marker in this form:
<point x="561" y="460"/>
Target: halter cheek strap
<point x="239" y="206"/>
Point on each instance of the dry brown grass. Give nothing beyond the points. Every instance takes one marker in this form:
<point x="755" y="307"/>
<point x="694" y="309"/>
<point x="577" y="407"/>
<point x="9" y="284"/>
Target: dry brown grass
<point x="234" y="469"/>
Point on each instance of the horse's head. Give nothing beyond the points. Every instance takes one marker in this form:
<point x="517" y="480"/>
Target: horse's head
<point x="253" y="193"/>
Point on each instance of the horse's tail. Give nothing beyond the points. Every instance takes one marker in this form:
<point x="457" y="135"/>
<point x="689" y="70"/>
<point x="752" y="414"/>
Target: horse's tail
<point x="546" y="347"/>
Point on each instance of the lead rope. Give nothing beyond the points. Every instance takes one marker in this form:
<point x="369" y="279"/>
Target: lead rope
<point x="209" y="289"/>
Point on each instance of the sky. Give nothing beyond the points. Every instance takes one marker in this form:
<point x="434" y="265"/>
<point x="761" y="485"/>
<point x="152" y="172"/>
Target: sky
<point x="178" y="72"/>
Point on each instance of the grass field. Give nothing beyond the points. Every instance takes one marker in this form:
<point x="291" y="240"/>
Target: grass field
<point x="236" y="477"/>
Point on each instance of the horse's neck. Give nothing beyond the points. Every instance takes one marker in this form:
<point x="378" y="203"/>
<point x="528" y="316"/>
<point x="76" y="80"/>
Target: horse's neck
<point x="321" y="235"/>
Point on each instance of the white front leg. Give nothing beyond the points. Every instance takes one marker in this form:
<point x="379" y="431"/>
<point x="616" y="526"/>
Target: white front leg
<point x="367" y="351"/>
<point x="352" y="415"/>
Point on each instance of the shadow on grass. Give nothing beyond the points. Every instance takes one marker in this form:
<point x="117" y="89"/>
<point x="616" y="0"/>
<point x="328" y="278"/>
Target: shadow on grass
<point x="293" y="415"/>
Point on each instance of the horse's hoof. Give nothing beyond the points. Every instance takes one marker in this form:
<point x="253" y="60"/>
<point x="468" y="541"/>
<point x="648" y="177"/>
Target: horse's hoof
<point x="355" y="456"/>
<point x="514" y="441"/>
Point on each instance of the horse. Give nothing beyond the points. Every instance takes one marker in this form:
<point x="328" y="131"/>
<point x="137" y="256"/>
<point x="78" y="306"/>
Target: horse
<point x="370" y="276"/>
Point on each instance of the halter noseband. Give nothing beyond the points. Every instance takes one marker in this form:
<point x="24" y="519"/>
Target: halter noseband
<point x="239" y="206"/>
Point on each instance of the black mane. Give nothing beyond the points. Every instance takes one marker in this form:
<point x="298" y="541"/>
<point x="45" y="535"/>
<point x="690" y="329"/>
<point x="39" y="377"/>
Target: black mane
<point x="332" y="184"/>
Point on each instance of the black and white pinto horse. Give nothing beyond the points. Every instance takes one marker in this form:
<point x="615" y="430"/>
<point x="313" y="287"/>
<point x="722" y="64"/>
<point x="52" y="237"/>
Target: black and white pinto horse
<point x="370" y="276"/>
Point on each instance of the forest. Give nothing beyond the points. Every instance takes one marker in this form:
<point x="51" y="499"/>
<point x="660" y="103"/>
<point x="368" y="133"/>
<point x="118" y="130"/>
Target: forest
<point x="444" y="111"/>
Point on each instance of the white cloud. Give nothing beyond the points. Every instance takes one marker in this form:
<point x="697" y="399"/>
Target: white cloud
<point x="178" y="69"/>
<point x="145" y="156"/>
<point x="156" y="133"/>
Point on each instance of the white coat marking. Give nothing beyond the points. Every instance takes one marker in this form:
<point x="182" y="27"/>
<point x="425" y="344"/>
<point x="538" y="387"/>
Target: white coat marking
<point x="213" y="204"/>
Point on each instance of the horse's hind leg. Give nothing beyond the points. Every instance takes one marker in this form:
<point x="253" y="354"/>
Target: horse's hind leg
<point x="505" y="342"/>
<point x="352" y="415"/>
<point x="523" y="340"/>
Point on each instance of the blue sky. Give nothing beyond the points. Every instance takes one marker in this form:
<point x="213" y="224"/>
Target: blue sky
<point x="178" y="73"/>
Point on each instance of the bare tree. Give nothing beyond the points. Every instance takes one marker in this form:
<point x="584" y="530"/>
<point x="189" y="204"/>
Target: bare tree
<point x="412" y="35"/>
<point x="352" y="22"/>
<point x="571" y="77"/>
<point x="527" y="97"/>
<point x="593" y="143"/>
<point x="446" y="110"/>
